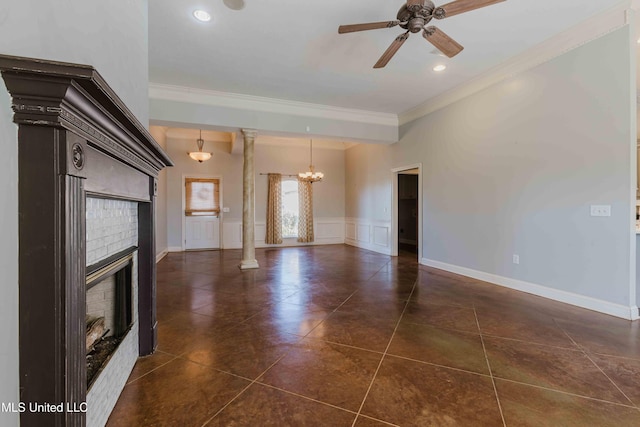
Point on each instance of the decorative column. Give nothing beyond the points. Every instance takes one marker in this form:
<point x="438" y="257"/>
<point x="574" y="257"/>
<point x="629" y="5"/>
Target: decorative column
<point x="248" y="199"/>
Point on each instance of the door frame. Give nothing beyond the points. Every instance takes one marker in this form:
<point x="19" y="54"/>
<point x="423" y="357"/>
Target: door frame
<point x="394" y="208"/>
<point x="184" y="217"/>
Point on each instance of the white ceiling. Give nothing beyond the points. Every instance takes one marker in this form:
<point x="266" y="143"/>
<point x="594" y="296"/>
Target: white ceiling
<point x="290" y="49"/>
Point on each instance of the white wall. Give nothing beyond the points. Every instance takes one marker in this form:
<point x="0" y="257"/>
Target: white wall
<point x="328" y="195"/>
<point x="8" y="258"/>
<point x="112" y="36"/>
<point x="514" y="168"/>
<point x="188" y="109"/>
<point x="158" y="133"/>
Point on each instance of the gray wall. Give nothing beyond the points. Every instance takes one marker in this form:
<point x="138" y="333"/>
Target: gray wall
<point x="513" y="170"/>
<point x="328" y="196"/>
<point x="112" y="36"/>
<point x="222" y="164"/>
<point x="368" y="182"/>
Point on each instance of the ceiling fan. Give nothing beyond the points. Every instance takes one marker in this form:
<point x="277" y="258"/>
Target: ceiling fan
<point x="234" y="4"/>
<point x="413" y="17"/>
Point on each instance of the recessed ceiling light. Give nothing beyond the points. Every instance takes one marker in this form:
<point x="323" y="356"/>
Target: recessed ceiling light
<point x="440" y="67"/>
<point x="202" y="15"/>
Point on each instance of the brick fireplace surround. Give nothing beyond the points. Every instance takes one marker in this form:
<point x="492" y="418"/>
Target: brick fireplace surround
<point x="76" y="140"/>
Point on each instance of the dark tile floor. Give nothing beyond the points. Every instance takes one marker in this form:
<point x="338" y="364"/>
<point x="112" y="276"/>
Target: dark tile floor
<point x="338" y="336"/>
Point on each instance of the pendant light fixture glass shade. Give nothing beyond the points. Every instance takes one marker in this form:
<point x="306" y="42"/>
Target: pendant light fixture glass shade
<point x="199" y="155"/>
<point x="311" y="175"/>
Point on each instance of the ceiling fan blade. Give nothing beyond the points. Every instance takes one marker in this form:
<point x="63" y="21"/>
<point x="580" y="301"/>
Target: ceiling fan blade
<point x="388" y="54"/>
<point x="368" y="26"/>
<point x="460" y="6"/>
<point x="442" y="41"/>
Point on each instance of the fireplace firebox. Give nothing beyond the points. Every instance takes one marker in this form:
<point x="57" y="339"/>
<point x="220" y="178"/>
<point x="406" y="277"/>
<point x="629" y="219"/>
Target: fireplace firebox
<point x="109" y="308"/>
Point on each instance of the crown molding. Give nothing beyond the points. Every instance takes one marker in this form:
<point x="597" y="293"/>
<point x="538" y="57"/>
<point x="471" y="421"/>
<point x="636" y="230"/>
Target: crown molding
<point x="589" y="30"/>
<point x="269" y="105"/>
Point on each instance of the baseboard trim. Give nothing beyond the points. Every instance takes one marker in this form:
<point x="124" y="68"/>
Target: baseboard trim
<point x="612" y="309"/>
<point x="384" y="250"/>
<point x="292" y="243"/>
<point x="161" y="255"/>
<point x="175" y="249"/>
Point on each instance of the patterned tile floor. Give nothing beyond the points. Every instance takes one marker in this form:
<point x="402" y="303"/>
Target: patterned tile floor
<point x="339" y="336"/>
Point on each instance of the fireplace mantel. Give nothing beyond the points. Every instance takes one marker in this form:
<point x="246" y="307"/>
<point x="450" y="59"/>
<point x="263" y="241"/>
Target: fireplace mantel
<point x="75" y="138"/>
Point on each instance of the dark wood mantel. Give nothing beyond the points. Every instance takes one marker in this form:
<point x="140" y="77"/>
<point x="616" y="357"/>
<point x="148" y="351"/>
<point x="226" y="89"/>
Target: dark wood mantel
<point x="75" y="138"/>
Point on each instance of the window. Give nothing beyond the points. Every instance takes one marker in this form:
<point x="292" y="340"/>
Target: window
<point x="289" y="208"/>
<point x="202" y="197"/>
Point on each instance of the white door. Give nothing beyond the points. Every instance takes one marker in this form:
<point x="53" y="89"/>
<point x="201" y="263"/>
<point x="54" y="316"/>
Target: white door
<point x="202" y="232"/>
<point x="201" y="213"/>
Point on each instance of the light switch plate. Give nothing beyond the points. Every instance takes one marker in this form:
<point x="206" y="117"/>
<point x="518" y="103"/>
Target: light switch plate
<point x="600" y="210"/>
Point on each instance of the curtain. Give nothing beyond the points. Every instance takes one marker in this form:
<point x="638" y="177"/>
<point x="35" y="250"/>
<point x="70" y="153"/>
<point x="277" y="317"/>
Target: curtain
<point x="305" y="212"/>
<point x="274" y="210"/>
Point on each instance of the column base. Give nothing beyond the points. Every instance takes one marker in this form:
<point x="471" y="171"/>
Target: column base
<point x="248" y="264"/>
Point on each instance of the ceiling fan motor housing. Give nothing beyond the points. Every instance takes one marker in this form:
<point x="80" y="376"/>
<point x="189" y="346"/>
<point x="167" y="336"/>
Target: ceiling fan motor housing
<point x="413" y="16"/>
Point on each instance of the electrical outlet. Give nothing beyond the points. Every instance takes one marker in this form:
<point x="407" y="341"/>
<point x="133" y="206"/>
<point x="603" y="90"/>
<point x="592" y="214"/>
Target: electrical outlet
<point x="600" y="210"/>
<point x="516" y="259"/>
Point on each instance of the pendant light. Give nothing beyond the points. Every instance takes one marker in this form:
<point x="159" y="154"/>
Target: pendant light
<point x="311" y="175"/>
<point x="199" y="155"/>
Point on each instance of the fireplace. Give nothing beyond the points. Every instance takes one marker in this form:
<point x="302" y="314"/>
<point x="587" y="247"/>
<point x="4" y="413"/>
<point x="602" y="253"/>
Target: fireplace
<point x="109" y="309"/>
<point x="91" y="168"/>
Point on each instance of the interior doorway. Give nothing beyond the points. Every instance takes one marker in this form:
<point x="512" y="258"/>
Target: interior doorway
<point x="407" y="215"/>
<point x="201" y="212"/>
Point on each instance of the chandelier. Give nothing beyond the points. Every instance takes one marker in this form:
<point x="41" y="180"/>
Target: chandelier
<point x="311" y="175"/>
<point x="199" y="155"/>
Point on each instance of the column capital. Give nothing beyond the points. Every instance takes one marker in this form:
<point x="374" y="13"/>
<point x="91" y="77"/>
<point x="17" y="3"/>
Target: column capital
<point x="249" y="133"/>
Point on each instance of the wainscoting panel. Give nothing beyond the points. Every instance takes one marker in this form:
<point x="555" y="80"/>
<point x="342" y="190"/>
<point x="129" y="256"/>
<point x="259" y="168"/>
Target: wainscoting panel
<point x="328" y="231"/>
<point x="364" y="233"/>
<point x="350" y="231"/>
<point x="231" y="234"/>
<point x="372" y="235"/>
<point x="381" y="236"/>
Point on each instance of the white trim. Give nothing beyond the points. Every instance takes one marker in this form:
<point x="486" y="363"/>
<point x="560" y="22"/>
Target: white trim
<point x="591" y="29"/>
<point x="618" y="310"/>
<point x="394" y="207"/>
<point x="633" y="153"/>
<point x="328" y="231"/>
<point x="269" y="105"/>
<point x="161" y="255"/>
<point x="175" y="249"/>
<point x="366" y="234"/>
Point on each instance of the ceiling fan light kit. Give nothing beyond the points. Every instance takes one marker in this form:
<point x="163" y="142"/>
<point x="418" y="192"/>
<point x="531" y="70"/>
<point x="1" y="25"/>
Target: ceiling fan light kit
<point x="414" y="17"/>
